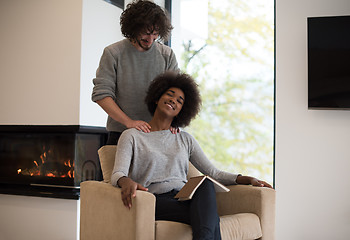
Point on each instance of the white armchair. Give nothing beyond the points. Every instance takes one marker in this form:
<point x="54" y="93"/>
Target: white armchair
<point x="246" y="212"/>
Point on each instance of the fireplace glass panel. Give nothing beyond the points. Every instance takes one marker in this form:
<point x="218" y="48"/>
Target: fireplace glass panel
<point x="38" y="158"/>
<point x="62" y="156"/>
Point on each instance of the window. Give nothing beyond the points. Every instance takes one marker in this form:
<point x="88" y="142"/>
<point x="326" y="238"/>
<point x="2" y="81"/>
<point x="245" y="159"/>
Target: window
<point x="118" y="3"/>
<point x="228" y="46"/>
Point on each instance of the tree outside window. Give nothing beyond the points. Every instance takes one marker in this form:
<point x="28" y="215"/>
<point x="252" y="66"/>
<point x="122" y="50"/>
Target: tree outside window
<point x="228" y="47"/>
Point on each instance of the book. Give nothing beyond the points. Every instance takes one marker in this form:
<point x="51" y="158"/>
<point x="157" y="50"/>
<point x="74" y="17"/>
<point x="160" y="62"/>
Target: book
<point x="187" y="191"/>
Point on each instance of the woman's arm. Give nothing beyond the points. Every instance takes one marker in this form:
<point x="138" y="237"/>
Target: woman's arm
<point x="122" y="163"/>
<point x="129" y="188"/>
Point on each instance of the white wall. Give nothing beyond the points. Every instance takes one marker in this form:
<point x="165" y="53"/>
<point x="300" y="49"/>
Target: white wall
<point x="312" y="146"/>
<point x="50" y="51"/>
<point x="36" y="218"/>
<point x="100" y="28"/>
<point x="40" y="61"/>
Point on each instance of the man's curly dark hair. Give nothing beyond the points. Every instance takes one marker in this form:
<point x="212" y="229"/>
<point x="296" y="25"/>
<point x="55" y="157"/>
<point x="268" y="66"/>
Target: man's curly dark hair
<point x="144" y="15"/>
<point x="187" y="84"/>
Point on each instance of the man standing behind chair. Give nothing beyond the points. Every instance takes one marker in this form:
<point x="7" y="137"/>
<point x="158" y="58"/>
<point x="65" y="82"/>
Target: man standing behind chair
<point x="127" y="67"/>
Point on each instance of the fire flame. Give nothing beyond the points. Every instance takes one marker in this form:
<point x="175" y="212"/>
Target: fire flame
<point x="38" y="169"/>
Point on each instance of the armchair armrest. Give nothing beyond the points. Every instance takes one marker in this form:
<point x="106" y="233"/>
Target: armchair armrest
<point x="104" y="216"/>
<point x="249" y="199"/>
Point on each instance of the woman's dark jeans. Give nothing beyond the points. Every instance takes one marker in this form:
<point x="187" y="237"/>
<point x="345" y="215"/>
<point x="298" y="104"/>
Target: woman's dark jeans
<point x="200" y="212"/>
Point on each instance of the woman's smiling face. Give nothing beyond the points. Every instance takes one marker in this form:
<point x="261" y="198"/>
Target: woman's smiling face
<point x="172" y="101"/>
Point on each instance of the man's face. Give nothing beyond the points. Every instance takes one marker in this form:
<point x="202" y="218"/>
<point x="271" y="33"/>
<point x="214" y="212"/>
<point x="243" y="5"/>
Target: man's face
<point x="145" y="40"/>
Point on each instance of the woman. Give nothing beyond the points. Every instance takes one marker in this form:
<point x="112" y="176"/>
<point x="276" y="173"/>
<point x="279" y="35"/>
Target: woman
<point x="158" y="161"/>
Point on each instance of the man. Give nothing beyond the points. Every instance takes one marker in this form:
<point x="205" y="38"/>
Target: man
<point x="128" y="66"/>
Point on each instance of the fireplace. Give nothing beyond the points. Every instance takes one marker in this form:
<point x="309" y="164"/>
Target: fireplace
<point x="49" y="161"/>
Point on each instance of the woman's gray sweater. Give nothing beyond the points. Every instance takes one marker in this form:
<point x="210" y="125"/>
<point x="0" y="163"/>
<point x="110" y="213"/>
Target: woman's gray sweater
<point x="159" y="160"/>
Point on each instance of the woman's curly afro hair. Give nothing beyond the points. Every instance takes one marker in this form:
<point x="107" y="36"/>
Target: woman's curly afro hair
<point x="145" y="15"/>
<point x="187" y="84"/>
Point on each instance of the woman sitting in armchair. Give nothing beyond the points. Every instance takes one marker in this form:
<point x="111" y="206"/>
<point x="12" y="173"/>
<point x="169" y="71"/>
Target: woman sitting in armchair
<point x="158" y="161"/>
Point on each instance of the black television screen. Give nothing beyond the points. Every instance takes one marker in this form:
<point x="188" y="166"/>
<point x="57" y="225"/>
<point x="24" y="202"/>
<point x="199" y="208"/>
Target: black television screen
<point x="329" y="62"/>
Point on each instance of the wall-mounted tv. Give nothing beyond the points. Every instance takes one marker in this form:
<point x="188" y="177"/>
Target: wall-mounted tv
<point x="329" y="62"/>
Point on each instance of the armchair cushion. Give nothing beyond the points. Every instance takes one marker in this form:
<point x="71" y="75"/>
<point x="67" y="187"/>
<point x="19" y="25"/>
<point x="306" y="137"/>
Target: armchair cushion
<point x="238" y="226"/>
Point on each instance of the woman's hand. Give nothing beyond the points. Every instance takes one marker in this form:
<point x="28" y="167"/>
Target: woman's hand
<point x="253" y="181"/>
<point x="129" y="188"/>
<point x="258" y="183"/>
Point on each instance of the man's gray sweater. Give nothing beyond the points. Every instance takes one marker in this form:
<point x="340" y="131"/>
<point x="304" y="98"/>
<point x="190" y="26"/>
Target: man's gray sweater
<point x="125" y="73"/>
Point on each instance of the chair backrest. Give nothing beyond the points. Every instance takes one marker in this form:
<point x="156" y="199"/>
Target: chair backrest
<point x="107" y="158"/>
